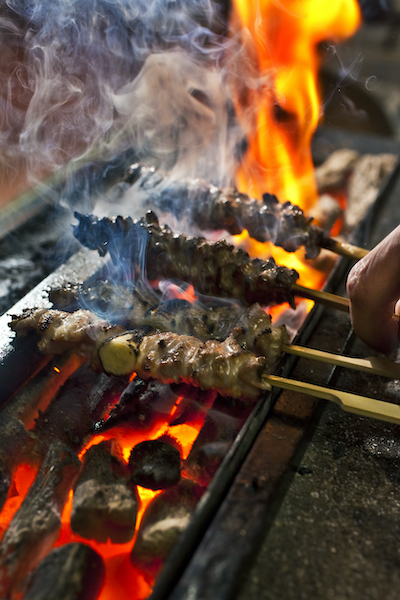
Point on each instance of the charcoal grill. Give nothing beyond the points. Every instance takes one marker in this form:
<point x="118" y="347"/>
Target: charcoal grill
<point x="305" y="503"/>
<point x="267" y="465"/>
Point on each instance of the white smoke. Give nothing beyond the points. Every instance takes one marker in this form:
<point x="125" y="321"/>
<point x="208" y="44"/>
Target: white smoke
<point x="83" y="80"/>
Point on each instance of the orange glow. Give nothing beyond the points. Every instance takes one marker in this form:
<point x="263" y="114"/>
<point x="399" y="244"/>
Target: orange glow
<point x="308" y="276"/>
<point x="22" y="481"/>
<point x="281" y="38"/>
<point x="123" y="580"/>
<point x="187" y="294"/>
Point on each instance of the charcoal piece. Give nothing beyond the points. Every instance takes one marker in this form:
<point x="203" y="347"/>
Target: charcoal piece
<point x="36" y="525"/>
<point x="208" y="451"/>
<point x="155" y="464"/>
<point x="73" y="572"/>
<point x="163" y="522"/>
<point x="140" y="405"/>
<point x="334" y="172"/>
<point x="75" y="409"/>
<point x="16" y="418"/>
<point x="204" y="460"/>
<point x="13" y="440"/>
<point x="221" y="426"/>
<point x="105" y="506"/>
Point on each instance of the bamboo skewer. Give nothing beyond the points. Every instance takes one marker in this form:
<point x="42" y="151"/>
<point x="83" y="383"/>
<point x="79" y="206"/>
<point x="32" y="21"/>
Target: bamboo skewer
<point x="352" y="403"/>
<point x="325" y="298"/>
<point x="372" y="364"/>
<point x="343" y="248"/>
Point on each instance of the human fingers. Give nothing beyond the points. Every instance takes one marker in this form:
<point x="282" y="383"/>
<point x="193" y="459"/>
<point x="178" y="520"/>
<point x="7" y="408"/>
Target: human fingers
<point x="373" y="287"/>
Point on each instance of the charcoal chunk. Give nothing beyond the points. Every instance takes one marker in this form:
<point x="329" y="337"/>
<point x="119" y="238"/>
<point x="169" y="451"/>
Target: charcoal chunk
<point x="73" y="572"/>
<point x="155" y="464"/>
<point x="36" y="525"/>
<point x="164" y="521"/>
<point x="105" y="505"/>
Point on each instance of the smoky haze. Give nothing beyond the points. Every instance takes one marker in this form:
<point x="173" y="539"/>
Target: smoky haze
<point x="89" y="79"/>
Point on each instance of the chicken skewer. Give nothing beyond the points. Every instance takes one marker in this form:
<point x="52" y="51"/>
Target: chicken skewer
<point x="214" y="268"/>
<point x="210" y="208"/>
<point x="201" y="318"/>
<point x="219" y="366"/>
<point x="86" y="333"/>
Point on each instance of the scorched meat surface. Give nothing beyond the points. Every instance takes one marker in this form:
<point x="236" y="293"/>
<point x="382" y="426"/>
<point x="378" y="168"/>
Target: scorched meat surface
<point x="227" y="366"/>
<point x="214" y="268"/>
<point x="210" y="208"/>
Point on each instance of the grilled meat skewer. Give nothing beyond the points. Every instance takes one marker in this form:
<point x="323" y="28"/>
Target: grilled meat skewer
<point x="84" y="332"/>
<point x="214" y="268"/>
<point x="59" y="331"/>
<point x="210" y="208"/>
<point x="171" y="358"/>
<point x="204" y="321"/>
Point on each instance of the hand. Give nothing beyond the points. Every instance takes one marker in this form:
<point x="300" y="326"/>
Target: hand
<point x="373" y="286"/>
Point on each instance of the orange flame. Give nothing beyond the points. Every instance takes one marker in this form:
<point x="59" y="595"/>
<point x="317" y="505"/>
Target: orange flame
<point x="281" y="37"/>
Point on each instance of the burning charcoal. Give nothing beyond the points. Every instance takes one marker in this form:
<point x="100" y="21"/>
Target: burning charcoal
<point x="221" y="426"/>
<point x="16" y="417"/>
<point x="140" y="406"/>
<point x="105" y="506"/>
<point x="155" y="464"/>
<point x="36" y="525"/>
<point x="165" y="519"/>
<point x="204" y="461"/>
<point x="73" y="572"/>
<point x="78" y="405"/>
<point x="14" y="439"/>
<point x="193" y="404"/>
<point x="209" y="449"/>
<point x="364" y="185"/>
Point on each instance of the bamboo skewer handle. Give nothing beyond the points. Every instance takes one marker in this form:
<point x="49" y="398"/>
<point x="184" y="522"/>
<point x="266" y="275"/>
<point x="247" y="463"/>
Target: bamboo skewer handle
<point x="352" y="403"/>
<point x="372" y="364"/>
<point x="343" y="248"/>
<point x="324" y="298"/>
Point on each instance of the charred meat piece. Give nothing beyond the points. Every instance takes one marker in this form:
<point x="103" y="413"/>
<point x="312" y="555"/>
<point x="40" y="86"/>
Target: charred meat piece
<point x="171" y="358"/>
<point x="73" y="572"/>
<point x="209" y="208"/>
<point x="214" y="268"/>
<point x="105" y="505"/>
<point x="60" y="331"/>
